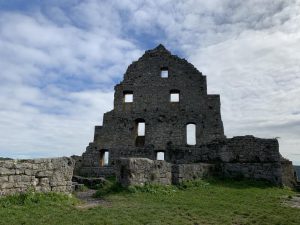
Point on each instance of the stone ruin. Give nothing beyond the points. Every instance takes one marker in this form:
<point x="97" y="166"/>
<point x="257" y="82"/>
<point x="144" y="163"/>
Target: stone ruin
<point x="40" y="175"/>
<point x="165" y="128"/>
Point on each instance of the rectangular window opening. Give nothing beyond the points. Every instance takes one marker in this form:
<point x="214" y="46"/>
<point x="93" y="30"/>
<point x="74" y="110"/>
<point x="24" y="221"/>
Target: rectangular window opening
<point x="141" y="129"/>
<point x="191" y="134"/>
<point x="174" y="97"/>
<point x="160" y="156"/>
<point x="128" y="97"/>
<point x="164" y="73"/>
<point x="104" y="159"/>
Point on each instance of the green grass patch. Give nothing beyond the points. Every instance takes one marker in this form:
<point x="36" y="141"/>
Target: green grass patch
<point x="209" y="201"/>
<point x="33" y="198"/>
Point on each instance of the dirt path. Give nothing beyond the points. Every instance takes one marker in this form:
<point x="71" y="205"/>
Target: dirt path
<point x="88" y="201"/>
<point x="294" y="201"/>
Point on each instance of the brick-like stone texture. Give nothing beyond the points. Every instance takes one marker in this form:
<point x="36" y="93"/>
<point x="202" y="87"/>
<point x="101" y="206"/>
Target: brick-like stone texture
<point x="42" y="175"/>
<point x="289" y="174"/>
<point x="166" y="122"/>
<point x="297" y="170"/>
<point x="184" y="172"/>
<point x="140" y="171"/>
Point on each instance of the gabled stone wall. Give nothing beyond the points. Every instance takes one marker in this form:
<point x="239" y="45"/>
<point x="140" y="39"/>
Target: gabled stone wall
<point x="42" y="175"/>
<point x="166" y="126"/>
<point x="165" y="121"/>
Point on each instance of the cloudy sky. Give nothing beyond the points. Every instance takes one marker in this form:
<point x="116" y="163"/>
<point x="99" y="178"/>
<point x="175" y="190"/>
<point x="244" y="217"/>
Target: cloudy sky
<point x="60" y="60"/>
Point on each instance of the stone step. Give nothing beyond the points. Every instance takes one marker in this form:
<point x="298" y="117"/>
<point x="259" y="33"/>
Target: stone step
<point x="76" y="186"/>
<point x="89" y="181"/>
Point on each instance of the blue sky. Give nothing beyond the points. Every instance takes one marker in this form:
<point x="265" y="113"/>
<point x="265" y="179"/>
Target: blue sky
<point x="60" y="60"/>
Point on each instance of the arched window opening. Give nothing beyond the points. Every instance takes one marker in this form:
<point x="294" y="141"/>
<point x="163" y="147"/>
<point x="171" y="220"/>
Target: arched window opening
<point x="141" y="129"/>
<point x="140" y="133"/>
<point x="128" y="96"/>
<point x="160" y="155"/>
<point x="174" y="95"/>
<point x="164" y="72"/>
<point x="104" y="158"/>
<point x="191" y="134"/>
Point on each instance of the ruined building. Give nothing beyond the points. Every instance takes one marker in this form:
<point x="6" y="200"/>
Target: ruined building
<point x="162" y="111"/>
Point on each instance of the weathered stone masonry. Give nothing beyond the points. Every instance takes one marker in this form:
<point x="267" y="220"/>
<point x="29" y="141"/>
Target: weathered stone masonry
<point x="42" y="175"/>
<point x="144" y="98"/>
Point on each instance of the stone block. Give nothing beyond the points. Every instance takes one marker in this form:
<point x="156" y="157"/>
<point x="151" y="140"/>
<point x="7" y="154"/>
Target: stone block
<point x="45" y="173"/>
<point x="19" y="175"/>
<point x="7" y="171"/>
<point x="44" y="181"/>
<point x="3" y="179"/>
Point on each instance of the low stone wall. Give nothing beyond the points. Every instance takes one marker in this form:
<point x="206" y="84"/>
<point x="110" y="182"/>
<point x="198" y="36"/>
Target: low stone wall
<point x="139" y="171"/>
<point x="42" y="175"/>
<point x="289" y="174"/>
<point x="258" y="171"/>
<point x="183" y="172"/>
<point x="280" y="173"/>
<point x="252" y="149"/>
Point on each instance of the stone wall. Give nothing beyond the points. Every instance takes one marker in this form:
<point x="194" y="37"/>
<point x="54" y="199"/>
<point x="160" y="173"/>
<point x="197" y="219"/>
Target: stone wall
<point x="184" y="172"/>
<point x="42" y="175"/>
<point x="280" y="173"/>
<point x="139" y="171"/>
<point x="166" y="125"/>
<point x="297" y="169"/>
<point x="258" y="171"/>
<point x="78" y="164"/>
<point x="289" y="174"/>
<point x="165" y="121"/>
<point x="251" y="149"/>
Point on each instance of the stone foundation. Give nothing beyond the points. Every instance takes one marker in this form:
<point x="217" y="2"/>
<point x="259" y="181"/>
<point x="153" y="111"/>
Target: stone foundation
<point x="184" y="172"/>
<point x="259" y="171"/>
<point x="41" y="175"/>
<point x="139" y="171"/>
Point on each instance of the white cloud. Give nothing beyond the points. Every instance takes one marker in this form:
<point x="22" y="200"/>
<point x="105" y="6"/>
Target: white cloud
<point x="56" y="81"/>
<point x="58" y="66"/>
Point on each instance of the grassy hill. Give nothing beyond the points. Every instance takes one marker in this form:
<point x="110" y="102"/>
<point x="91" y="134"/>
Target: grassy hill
<point x="198" y="202"/>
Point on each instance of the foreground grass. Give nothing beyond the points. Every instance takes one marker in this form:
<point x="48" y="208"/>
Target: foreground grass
<point x="198" y="202"/>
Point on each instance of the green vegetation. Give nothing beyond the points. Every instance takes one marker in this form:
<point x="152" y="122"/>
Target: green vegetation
<point x="5" y="158"/>
<point x="197" y="202"/>
<point x="32" y="199"/>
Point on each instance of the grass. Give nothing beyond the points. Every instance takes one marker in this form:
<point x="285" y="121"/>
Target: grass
<point x="197" y="202"/>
